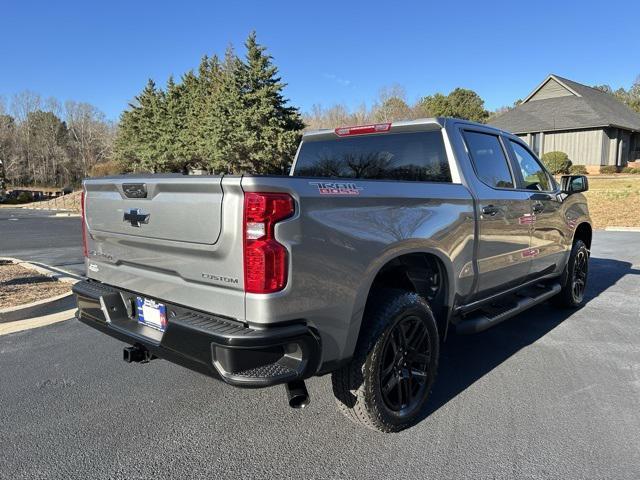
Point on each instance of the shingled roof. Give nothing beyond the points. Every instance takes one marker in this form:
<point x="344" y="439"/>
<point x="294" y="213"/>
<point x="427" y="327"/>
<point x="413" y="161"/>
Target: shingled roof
<point x="579" y="107"/>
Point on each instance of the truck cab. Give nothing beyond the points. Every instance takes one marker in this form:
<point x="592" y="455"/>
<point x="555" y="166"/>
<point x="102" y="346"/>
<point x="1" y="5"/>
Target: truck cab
<point x="382" y="241"/>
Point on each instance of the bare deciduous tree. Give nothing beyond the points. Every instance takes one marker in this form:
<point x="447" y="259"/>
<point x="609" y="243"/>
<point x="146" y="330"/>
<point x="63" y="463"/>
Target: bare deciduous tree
<point x="44" y="143"/>
<point x="92" y="135"/>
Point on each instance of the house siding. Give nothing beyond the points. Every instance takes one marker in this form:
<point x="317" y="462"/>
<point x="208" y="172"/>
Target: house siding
<point x="612" y="154"/>
<point x="584" y="147"/>
<point x="635" y="147"/>
<point x="551" y="89"/>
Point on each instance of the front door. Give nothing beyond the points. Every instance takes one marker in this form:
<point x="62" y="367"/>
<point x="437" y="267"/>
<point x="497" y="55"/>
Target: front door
<point x="548" y="228"/>
<point x="504" y="216"/>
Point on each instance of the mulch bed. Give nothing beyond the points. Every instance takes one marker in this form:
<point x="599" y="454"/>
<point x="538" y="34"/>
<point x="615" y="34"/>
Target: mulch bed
<point x="19" y="286"/>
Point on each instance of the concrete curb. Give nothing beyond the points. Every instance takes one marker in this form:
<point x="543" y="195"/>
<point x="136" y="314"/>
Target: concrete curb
<point x="56" y="212"/>
<point x="30" y="310"/>
<point x="622" y="229"/>
<point x="66" y="214"/>
<point x="22" y="313"/>
<point x="48" y="271"/>
<point x="21" y="325"/>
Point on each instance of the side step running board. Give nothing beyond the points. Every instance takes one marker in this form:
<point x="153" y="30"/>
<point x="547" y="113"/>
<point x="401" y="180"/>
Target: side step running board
<point x="482" y="321"/>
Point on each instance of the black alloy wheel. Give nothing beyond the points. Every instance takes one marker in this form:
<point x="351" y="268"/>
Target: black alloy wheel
<point x="405" y="365"/>
<point x="580" y="271"/>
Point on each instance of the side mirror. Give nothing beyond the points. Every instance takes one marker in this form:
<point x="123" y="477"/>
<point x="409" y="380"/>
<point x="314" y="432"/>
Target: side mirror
<point x="574" y="184"/>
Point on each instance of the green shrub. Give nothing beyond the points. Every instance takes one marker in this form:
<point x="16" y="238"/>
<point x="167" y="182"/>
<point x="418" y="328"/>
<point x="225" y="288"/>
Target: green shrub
<point x="556" y="162"/>
<point x="578" y="170"/>
<point x="608" y="169"/>
<point x="633" y="170"/>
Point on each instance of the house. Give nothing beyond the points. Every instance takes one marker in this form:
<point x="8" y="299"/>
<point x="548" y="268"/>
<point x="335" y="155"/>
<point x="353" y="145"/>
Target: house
<point x="591" y="126"/>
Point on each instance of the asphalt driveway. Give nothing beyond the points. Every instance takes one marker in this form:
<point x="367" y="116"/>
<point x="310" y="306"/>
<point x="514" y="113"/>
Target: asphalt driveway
<point x="548" y="394"/>
<point x="40" y="236"/>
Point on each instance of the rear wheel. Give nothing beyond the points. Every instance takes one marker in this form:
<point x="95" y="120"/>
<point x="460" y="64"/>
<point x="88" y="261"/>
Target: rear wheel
<point x="387" y="383"/>
<point x="575" y="277"/>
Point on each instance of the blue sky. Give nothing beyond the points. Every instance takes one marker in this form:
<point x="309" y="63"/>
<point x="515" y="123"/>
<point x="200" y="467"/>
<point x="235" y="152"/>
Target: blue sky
<point x="328" y="52"/>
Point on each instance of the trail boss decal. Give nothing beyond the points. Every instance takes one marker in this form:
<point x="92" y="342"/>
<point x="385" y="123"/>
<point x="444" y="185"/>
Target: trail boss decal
<point x="527" y="219"/>
<point x="337" y="188"/>
<point x="530" y="252"/>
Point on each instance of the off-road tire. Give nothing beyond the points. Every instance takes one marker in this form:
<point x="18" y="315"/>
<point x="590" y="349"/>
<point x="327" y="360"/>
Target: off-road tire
<point x="567" y="297"/>
<point x="357" y="386"/>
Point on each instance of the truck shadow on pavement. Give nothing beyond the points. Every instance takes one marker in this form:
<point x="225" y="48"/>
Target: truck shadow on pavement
<point x="464" y="359"/>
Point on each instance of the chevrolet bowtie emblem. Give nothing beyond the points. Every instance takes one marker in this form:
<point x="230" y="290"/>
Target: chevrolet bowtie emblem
<point x="135" y="217"/>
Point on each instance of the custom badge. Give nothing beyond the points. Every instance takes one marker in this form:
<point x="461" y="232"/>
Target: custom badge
<point x="337" y="188"/>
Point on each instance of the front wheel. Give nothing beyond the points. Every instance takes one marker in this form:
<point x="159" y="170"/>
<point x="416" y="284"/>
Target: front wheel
<point x="386" y="385"/>
<point x="575" y="277"/>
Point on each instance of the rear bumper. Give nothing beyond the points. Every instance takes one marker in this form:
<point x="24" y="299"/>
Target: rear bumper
<point x="216" y="346"/>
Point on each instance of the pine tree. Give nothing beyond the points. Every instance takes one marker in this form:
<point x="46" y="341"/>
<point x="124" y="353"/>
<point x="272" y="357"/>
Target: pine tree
<point x="222" y="130"/>
<point x="138" y="145"/>
<point x="192" y="100"/>
<point x="271" y="127"/>
<point x="229" y="117"/>
<point x="173" y="120"/>
<point x="203" y="90"/>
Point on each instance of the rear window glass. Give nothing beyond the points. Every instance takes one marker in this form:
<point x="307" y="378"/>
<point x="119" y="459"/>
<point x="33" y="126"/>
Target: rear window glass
<point x="418" y="156"/>
<point x="489" y="159"/>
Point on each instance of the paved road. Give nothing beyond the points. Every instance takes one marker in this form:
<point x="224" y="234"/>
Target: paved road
<point x="549" y="394"/>
<point x="40" y="236"/>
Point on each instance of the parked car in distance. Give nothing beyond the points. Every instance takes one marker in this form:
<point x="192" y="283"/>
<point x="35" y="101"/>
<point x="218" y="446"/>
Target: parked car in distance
<point x="384" y="240"/>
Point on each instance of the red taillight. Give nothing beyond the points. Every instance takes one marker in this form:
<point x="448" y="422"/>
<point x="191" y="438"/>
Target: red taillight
<point x="363" y="129"/>
<point x="265" y="260"/>
<point x="85" y="250"/>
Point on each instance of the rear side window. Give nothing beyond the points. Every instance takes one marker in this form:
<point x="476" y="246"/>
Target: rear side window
<point x="489" y="159"/>
<point x="418" y="156"/>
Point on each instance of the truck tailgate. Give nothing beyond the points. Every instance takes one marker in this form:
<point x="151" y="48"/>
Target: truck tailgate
<point x="184" y="209"/>
<point x="181" y="242"/>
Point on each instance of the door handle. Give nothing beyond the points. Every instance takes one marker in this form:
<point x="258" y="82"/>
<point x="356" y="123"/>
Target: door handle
<point x="490" y="210"/>
<point x="538" y="207"/>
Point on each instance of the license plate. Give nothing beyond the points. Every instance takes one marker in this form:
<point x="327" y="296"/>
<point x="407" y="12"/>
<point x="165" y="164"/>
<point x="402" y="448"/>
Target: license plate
<point x="151" y="313"/>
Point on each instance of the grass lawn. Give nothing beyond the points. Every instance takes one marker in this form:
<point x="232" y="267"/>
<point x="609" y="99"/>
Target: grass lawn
<point x="614" y="201"/>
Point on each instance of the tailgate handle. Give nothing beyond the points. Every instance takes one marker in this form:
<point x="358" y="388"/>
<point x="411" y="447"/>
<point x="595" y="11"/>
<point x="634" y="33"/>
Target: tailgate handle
<point x="135" y="190"/>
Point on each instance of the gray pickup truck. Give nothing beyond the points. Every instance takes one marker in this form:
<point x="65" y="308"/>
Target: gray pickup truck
<point x="383" y="240"/>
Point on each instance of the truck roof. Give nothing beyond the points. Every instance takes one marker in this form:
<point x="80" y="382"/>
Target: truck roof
<point x="419" y="124"/>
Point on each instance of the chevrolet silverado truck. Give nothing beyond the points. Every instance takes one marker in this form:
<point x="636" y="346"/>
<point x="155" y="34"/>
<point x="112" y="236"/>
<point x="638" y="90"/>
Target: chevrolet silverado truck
<point x="383" y="240"/>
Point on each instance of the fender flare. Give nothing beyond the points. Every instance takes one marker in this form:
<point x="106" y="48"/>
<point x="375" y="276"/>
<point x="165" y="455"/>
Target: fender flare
<point x="369" y="275"/>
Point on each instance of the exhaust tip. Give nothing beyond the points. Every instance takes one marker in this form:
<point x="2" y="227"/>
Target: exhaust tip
<point x="297" y="394"/>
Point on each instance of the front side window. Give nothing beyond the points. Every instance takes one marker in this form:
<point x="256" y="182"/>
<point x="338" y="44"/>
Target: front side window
<point x="417" y="156"/>
<point x="489" y="159"/>
<point x="535" y="177"/>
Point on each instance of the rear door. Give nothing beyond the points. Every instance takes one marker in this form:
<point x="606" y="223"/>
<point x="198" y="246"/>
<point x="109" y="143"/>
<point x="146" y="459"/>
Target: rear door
<point x="504" y="214"/>
<point x="548" y="227"/>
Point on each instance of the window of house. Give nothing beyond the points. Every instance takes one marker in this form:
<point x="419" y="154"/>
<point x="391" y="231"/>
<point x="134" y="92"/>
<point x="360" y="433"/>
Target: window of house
<point x="489" y="160"/>
<point x="535" y="176"/>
